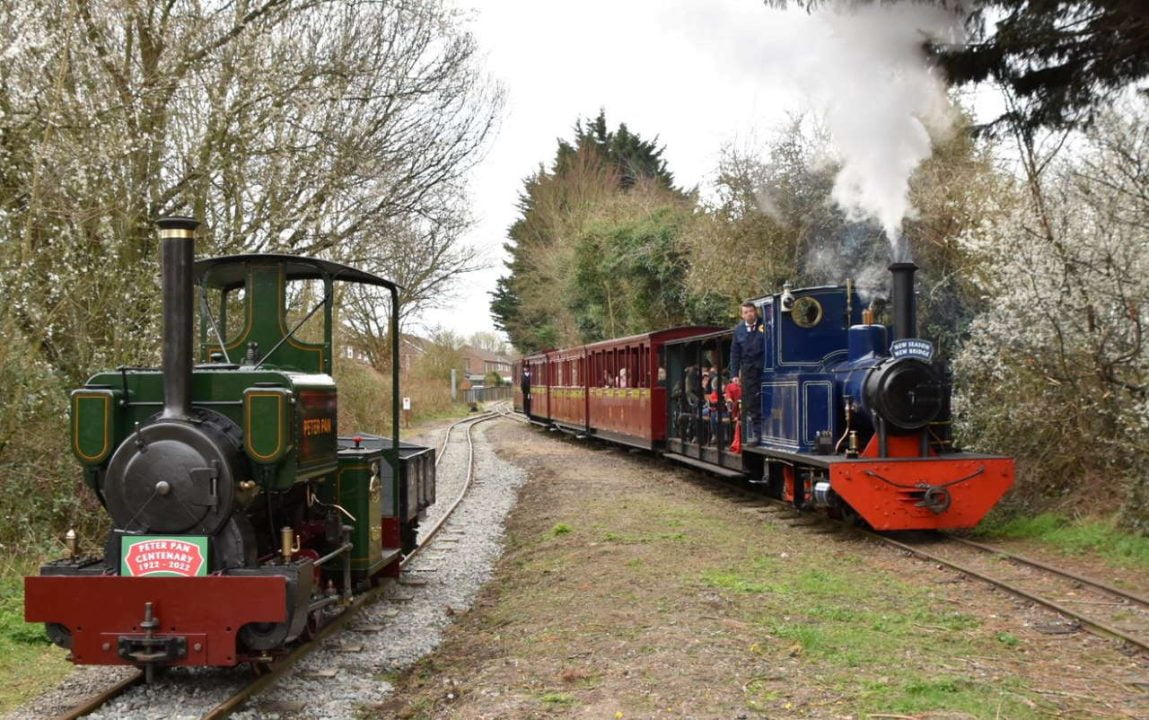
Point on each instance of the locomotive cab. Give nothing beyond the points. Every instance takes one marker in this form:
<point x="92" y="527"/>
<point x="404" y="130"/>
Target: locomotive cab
<point x="239" y="515"/>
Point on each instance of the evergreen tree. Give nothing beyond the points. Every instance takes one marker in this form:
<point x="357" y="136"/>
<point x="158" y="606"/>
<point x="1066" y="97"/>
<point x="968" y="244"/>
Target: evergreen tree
<point x="633" y="157"/>
<point x="545" y="300"/>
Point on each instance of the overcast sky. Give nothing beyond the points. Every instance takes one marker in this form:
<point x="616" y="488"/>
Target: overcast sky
<point x="697" y="74"/>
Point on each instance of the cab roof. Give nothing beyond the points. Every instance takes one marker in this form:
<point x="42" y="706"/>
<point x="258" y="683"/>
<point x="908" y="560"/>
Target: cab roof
<point x="230" y="271"/>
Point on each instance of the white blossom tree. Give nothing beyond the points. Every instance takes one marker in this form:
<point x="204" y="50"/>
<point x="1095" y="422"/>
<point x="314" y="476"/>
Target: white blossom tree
<point x="1057" y="369"/>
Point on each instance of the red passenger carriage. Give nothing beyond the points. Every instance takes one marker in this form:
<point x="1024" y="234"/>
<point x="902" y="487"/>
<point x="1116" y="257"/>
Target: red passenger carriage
<point x="614" y="389"/>
<point x="568" y="389"/>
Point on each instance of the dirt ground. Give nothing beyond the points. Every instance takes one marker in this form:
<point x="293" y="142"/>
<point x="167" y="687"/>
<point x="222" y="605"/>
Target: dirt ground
<point x="631" y="588"/>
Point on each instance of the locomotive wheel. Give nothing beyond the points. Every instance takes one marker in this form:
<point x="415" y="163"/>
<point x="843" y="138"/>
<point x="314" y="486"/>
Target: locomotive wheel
<point x="310" y="628"/>
<point x="259" y="668"/>
<point x="851" y="517"/>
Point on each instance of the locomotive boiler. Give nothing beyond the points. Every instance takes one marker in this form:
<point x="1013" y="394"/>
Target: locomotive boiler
<point x="240" y="518"/>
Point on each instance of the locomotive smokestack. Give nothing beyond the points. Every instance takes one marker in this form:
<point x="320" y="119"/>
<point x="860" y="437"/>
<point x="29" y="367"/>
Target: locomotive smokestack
<point x="177" y="238"/>
<point x="905" y="312"/>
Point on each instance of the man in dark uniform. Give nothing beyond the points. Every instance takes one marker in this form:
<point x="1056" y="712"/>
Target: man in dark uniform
<point x="525" y="386"/>
<point x="747" y="352"/>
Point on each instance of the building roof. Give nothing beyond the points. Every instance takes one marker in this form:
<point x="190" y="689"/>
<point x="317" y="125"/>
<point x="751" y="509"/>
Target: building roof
<point x="486" y="355"/>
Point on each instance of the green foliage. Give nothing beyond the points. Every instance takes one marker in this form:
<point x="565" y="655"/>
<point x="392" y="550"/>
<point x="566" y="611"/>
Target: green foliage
<point x="364" y="398"/>
<point x="43" y="493"/>
<point x="633" y="157"/>
<point x="561" y="529"/>
<point x="913" y="692"/>
<point x="1061" y="60"/>
<point x="1008" y="639"/>
<point x="629" y="276"/>
<point x="29" y="663"/>
<point x="839" y="616"/>
<point x="1055" y="370"/>
<point x="597" y="249"/>
<point x="13" y="629"/>
<point x="365" y="394"/>
<point x="558" y="699"/>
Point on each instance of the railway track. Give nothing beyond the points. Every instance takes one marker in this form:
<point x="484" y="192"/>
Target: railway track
<point x="265" y="676"/>
<point x="1082" y="602"/>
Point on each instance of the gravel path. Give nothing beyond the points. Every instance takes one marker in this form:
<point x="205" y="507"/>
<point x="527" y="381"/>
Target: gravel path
<point x="347" y="675"/>
<point x="442" y="581"/>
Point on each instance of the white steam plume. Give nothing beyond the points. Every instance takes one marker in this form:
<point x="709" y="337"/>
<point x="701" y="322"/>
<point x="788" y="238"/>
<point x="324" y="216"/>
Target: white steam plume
<point x="865" y="67"/>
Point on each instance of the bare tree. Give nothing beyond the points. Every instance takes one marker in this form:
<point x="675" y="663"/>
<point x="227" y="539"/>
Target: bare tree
<point x="424" y="259"/>
<point x="314" y="126"/>
<point x="489" y="341"/>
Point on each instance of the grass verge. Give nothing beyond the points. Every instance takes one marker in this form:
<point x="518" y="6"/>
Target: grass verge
<point x="1074" y="537"/>
<point x="624" y="593"/>
<point x="29" y="664"/>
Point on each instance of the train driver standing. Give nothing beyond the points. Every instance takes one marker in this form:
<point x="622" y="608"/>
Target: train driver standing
<point x="747" y="352"/>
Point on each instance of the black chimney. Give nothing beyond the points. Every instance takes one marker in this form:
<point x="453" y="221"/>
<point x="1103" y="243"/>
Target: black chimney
<point x="177" y="238"/>
<point x="905" y="312"/>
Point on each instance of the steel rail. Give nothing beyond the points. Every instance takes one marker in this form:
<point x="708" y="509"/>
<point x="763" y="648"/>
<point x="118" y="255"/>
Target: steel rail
<point x="452" y="426"/>
<point x="470" y="477"/>
<point x="1083" y="579"/>
<point x="1095" y="625"/>
<point x="280" y="667"/>
<point x="513" y="414"/>
<point x="99" y="699"/>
